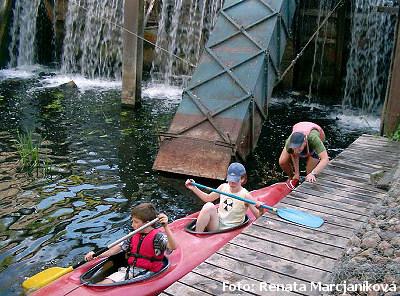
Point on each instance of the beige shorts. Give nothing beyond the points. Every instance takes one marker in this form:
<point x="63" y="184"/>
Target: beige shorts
<point x="120" y="275"/>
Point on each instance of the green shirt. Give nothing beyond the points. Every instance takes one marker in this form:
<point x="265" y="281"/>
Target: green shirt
<point x="314" y="143"/>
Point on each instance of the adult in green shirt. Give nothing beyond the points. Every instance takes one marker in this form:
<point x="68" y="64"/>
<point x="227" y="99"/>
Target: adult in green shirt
<point x="304" y="142"/>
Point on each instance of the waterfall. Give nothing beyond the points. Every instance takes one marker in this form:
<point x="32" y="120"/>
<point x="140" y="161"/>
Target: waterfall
<point x="183" y="29"/>
<point x="368" y="64"/>
<point x="320" y="40"/>
<point x="92" y="44"/>
<point x="22" y="47"/>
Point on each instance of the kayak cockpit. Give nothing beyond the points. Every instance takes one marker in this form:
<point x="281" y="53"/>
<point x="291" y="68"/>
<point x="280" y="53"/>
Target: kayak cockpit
<point x="110" y="265"/>
<point x="191" y="227"/>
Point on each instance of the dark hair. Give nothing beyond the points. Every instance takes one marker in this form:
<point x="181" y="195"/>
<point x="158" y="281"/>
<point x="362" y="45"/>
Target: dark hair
<point x="145" y="212"/>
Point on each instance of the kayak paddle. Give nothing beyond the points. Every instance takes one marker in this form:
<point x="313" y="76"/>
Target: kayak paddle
<point x="292" y="215"/>
<point x="49" y="275"/>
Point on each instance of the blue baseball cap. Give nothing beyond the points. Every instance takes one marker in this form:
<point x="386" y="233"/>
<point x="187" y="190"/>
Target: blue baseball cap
<point x="235" y="171"/>
<point x="296" y="140"/>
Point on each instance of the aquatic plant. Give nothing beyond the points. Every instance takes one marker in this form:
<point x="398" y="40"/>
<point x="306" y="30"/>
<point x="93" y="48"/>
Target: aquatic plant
<point x="396" y="134"/>
<point x="29" y="152"/>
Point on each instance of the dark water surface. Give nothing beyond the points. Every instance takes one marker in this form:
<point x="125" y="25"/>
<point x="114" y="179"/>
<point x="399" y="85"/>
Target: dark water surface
<point x="104" y="156"/>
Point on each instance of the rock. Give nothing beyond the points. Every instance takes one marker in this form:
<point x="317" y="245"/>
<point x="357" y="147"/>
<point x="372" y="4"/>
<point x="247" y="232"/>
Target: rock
<point x="69" y="85"/>
<point x="383" y="246"/>
<point x="370" y="240"/>
<point x="396" y="253"/>
<point x="372" y="293"/>
<point x="355" y="241"/>
<point x="367" y="253"/>
<point x="353" y="251"/>
<point x="388" y="235"/>
<point x="359" y="259"/>
<point x="395" y="241"/>
<point x="388" y="252"/>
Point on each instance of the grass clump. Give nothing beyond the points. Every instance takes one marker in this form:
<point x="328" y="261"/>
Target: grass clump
<point x="396" y="134"/>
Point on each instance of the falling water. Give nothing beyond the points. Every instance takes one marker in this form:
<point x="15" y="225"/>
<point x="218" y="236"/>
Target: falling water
<point x="22" y="47"/>
<point x="183" y="29"/>
<point x="325" y="7"/>
<point x="92" y="44"/>
<point x="370" y="53"/>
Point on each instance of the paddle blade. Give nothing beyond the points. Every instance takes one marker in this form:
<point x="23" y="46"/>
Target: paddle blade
<point x="300" y="217"/>
<point x="44" y="277"/>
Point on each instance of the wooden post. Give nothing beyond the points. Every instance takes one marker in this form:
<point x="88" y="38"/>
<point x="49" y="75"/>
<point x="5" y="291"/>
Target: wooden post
<point x="132" y="60"/>
<point x="391" y="109"/>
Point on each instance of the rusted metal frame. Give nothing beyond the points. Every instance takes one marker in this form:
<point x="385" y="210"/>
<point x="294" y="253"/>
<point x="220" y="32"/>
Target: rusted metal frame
<point x="215" y="113"/>
<point x="246" y="28"/>
<point x="203" y="109"/>
<point x="276" y="70"/>
<point x="223" y="71"/>
<point x="219" y="143"/>
<point x="234" y="78"/>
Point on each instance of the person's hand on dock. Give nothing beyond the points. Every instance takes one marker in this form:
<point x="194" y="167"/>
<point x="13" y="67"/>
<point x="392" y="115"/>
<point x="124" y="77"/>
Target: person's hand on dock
<point x="189" y="185"/>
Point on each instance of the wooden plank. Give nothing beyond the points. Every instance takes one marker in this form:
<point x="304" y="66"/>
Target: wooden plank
<point x="332" y="215"/>
<point x="344" y="174"/>
<point x="306" y="233"/>
<point x="342" y="179"/>
<point x="334" y="185"/>
<point x="307" y="245"/>
<point x="354" y="167"/>
<point x="351" y="211"/>
<point x="275" y="249"/>
<point x="371" y="167"/>
<point x="344" y="197"/>
<point x="379" y="148"/>
<point x="347" y="168"/>
<point x="256" y="271"/>
<point x="179" y="289"/>
<point x="327" y="227"/>
<point x="366" y="157"/>
<point x="206" y="284"/>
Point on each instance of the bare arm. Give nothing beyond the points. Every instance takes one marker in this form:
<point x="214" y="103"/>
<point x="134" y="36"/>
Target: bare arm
<point x="171" y="241"/>
<point x="112" y="251"/>
<point x="323" y="162"/>
<point x="255" y="209"/>
<point x="206" y="197"/>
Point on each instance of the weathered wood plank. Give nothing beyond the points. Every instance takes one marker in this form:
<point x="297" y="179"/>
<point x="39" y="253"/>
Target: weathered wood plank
<point x="178" y="289"/>
<point x="339" y="189"/>
<point x="346" y="168"/>
<point x="343" y="179"/>
<point x="327" y="227"/>
<point x="354" y="167"/>
<point x="206" y="284"/>
<point x="306" y="233"/>
<point x="344" y="174"/>
<point x="351" y="156"/>
<point x="371" y="167"/>
<point x="362" y="206"/>
<point x="275" y="249"/>
<point x="336" y="186"/>
<point x="353" y="212"/>
<point x="256" y="271"/>
<point x="295" y="242"/>
<point x="376" y="148"/>
<point x="332" y="215"/>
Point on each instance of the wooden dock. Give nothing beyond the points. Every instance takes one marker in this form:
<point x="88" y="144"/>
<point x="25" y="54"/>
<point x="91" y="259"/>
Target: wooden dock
<point x="273" y="254"/>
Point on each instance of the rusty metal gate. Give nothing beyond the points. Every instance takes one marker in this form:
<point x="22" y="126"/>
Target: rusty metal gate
<point x="225" y="103"/>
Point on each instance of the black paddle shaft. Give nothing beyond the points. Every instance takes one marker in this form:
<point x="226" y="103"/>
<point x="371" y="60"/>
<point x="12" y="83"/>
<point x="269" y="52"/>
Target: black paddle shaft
<point x="97" y="253"/>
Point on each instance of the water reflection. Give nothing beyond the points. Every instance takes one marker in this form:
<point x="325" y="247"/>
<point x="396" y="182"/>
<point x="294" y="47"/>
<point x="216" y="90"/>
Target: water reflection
<point x="102" y="157"/>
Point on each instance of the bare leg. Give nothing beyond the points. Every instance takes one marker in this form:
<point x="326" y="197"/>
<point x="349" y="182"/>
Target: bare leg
<point x="208" y="218"/>
<point x="311" y="164"/>
<point x="285" y="162"/>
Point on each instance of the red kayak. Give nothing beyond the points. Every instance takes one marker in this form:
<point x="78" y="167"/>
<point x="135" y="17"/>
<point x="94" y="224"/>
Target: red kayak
<point x="193" y="249"/>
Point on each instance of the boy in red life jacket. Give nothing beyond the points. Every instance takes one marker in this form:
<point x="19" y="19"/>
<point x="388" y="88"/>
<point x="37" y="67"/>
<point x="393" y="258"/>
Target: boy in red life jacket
<point x="145" y="249"/>
<point x="231" y="212"/>
<point x="306" y="141"/>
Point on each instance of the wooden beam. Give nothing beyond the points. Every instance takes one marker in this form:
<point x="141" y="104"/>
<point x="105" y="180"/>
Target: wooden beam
<point x="132" y="60"/>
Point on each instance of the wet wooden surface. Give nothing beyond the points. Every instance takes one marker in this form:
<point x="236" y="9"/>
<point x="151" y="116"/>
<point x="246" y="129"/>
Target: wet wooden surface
<point x="274" y="252"/>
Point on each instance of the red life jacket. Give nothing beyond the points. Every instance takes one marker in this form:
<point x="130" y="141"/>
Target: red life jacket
<point x="305" y="128"/>
<point x="142" y="253"/>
